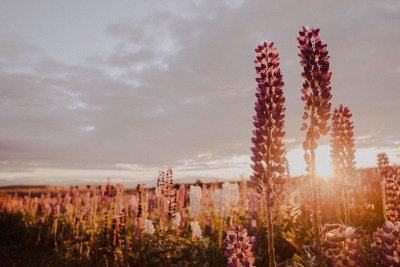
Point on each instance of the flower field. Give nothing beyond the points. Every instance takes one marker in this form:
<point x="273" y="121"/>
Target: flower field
<point x="273" y="219"/>
<point x="192" y="225"/>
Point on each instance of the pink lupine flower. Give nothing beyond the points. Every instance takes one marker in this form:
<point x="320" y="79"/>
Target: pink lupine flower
<point x="238" y="247"/>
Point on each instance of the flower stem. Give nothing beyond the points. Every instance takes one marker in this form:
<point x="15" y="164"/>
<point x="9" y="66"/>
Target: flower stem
<point x="271" y="250"/>
<point x="317" y="237"/>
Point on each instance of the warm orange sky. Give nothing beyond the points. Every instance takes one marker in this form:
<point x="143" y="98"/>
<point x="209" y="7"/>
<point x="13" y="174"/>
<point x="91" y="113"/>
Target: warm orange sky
<point x="99" y="89"/>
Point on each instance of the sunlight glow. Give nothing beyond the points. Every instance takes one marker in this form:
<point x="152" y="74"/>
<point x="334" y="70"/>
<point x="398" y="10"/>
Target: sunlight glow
<point x="322" y="160"/>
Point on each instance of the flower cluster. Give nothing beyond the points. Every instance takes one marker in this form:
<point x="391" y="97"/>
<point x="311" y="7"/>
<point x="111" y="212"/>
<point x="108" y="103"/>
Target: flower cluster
<point x="342" y="142"/>
<point x="230" y="194"/>
<point x="195" y="201"/>
<point x="164" y="183"/>
<point x="139" y="207"/>
<point x="172" y="204"/>
<point x="122" y="227"/>
<point x="316" y="95"/>
<point x="118" y="230"/>
<point x="226" y="199"/>
<point x="268" y="150"/>
<point x="238" y="247"/>
<point x="392" y="187"/>
<point x="342" y="152"/>
<point x="219" y="206"/>
<point x="385" y="248"/>
<point x="383" y="168"/>
<point x="383" y="163"/>
<point x="344" y="247"/>
<point x="316" y="89"/>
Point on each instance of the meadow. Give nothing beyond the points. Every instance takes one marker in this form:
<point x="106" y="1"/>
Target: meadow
<point x="180" y="224"/>
<point x="350" y="219"/>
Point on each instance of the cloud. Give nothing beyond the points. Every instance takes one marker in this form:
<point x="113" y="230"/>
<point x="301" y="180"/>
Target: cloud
<point x="174" y="84"/>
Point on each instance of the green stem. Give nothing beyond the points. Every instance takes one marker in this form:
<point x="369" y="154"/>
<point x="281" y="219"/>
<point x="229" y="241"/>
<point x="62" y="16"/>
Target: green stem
<point x="317" y="238"/>
<point x="271" y="249"/>
<point x="346" y="203"/>
<point x="270" y="230"/>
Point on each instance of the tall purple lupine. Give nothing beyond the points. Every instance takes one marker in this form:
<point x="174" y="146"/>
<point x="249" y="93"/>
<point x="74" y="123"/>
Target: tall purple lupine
<point x="268" y="150"/>
<point x="316" y="95"/>
<point x="342" y="153"/>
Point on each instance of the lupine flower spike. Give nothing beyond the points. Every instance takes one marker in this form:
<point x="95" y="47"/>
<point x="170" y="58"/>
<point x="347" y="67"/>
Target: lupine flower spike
<point x="342" y="153"/>
<point x="238" y="249"/>
<point x="195" y="200"/>
<point x="269" y="150"/>
<point x="383" y="163"/>
<point x="316" y="95"/>
<point x="392" y="194"/>
<point x="342" y="245"/>
<point x="139" y="207"/>
<point x="385" y="248"/>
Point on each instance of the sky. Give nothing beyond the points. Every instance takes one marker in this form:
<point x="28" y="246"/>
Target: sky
<point x="123" y="89"/>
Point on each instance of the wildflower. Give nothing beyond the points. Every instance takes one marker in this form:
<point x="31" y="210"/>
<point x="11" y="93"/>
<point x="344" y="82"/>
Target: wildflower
<point x="161" y="184"/>
<point x="383" y="168"/>
<point x="316" y="95"/>
<point x="343" y="245"/>
<point x="139" y="207"/>
<point x="342" y="152"/>
<point x="230" y="194"/>
<point x="385" y="248"/>
<point x="195" y="200"/>
<point x="207" y="223"/>
<point x="172" y="204"/>
<point x="219" y="207"/>
<point x="383" y="164"/>
<point x="268" y="147"/>
<point x="168" y="182"/>
<point x="392" y="186"/>
<point x="269" y="150"/>
<point x="196" y="231"/>
<point x="122" y="226"/>
<point x="115" y="234"/>
<point x="238" y="247"/>
<point x="151" y="204"/>
<point x="164" y="183"/>
<point x="182" y="195"/>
